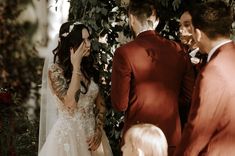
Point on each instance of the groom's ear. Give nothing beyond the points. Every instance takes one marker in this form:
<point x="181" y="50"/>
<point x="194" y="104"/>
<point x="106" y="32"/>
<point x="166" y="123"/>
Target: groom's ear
<point x="198" y="33"/>
<point x="131" y="19"/>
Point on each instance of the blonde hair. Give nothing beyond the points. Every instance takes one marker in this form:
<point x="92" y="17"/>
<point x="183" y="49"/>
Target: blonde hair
<point x="148" y="138"/>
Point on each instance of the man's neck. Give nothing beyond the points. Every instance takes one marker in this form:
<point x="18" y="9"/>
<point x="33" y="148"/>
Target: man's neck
<point x="143" y="29"/>
<point x="213" y="43"/>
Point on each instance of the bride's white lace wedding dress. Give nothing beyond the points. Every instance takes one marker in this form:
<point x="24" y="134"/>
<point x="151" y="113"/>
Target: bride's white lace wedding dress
<point x="69" y="134"/>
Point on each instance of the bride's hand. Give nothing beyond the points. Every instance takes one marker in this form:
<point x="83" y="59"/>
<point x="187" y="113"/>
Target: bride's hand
<point x="94" y="142"/>
<point x="76" y="57"/>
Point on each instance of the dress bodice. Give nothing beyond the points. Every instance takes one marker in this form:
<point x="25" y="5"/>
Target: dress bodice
<point x="86" y="105"/>
<point x="68" y="135"/>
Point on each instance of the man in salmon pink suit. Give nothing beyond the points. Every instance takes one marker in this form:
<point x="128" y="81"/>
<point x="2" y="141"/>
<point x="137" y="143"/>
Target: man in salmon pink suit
<point x="210" y="130"/>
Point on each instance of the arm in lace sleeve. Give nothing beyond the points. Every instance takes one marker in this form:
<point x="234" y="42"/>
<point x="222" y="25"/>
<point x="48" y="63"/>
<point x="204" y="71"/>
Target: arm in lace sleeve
<point x="100" y="105"/>
<point x="65" y="92"/>
<point x="95" y="141"/>
<point x="57" y="82"/>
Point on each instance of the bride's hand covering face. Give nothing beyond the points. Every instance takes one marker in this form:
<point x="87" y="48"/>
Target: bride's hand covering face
<point x="76" y="54"/>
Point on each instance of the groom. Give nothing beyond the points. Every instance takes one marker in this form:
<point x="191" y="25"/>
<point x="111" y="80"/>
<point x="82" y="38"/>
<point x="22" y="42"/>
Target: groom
<point x="150" y="75"/>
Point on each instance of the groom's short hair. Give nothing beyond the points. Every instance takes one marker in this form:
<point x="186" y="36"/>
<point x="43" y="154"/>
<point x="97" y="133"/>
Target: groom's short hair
<point x="141" y="9"/>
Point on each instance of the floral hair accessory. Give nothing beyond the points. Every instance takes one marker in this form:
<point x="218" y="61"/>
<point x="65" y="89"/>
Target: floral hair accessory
<point x="71" y="28"/>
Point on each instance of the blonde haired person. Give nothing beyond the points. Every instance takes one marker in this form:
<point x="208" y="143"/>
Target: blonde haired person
<point x="144" y="140"/>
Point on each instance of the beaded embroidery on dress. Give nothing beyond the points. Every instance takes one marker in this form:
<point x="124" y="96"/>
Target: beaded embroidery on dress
<point x="69" y="134"/>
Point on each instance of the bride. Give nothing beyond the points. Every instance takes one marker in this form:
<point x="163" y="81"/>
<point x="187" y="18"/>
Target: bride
<point x="72" y="110"/>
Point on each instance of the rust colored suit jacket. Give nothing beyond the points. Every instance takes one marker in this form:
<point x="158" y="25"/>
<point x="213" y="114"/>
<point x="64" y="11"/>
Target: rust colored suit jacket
<point x="210" y="129"/>
<point x="150" y="75"/>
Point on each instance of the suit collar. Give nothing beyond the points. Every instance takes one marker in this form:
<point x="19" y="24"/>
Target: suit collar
<point x="218" y="49"/>
<point x="213" y="50"/>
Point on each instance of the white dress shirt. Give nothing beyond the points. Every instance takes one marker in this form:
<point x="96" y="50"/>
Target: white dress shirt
<point x="216" y="47"/>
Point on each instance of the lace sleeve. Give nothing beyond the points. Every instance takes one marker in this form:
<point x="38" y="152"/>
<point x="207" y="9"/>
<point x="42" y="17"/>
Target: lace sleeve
<point x="101" y="110"/>
<point x="57" y="81"/>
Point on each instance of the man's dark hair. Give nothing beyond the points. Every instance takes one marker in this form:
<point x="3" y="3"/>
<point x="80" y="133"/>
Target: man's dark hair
<point x="213" y="18"/>
<point x="142" y="9"/>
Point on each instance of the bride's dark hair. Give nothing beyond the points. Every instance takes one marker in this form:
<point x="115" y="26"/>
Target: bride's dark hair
<point x="70" y="36"/>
